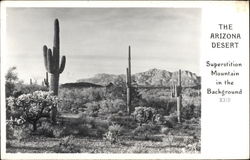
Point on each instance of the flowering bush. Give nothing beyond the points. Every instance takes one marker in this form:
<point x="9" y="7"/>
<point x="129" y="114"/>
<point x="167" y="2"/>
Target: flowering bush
<point x="31" y="107"/>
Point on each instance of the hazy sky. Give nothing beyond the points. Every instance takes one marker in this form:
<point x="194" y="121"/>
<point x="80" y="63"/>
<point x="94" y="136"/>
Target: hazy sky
<point x="96" y="40"/>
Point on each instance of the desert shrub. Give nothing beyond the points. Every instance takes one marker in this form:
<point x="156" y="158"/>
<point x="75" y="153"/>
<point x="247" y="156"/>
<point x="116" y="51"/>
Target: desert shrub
<point x="11" y="79"/>
<point x="146" y="129"/>
<point x="187" y="112"/>
<point x="67" y="145"/>
<point x="86" y="126"/>
<point x="15" y="87"/>
<point x="138" y="148"/>
<point x="21" y="132"/>
<point x="118" y="91"/>
<point x="165" y="130"/>
<point x="104" y="107"/>
<point x="92" y="109"/>
<point x="84" y="130"/>
<point x="74" y="99"/>
<point x="193" y="121"/>
<point x="99" y="127"/>
<point x="197" y="111"/>
<point x="144" y="114"/>
<point x="159" y="100"/>
<point x="8" y="144"/>
<point x="15" y="124"/>
<point x="94" y="122"/>
<point x="171" y="120"/>
<point x="194" y="147"/>
<point x="46" y="129"/>
<point x="159" y="119"/>
<point x="146" y="132"/>
<point x="58" y="131"/>
<point x="32" y="107"/>
<point x="116" y="129"/>
<point x="9" y="129"/>
<point x="191" y="92"/>
<point x="101" y="123"/>
<point x="113" y="133"/>
<point x="9" y="132"/>
<point x="125" y="121"/>
<point x="28" y="88"/>
<point x="112" y="106"/>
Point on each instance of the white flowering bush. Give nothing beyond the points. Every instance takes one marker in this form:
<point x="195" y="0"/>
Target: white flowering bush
<point x="31" y="107"/>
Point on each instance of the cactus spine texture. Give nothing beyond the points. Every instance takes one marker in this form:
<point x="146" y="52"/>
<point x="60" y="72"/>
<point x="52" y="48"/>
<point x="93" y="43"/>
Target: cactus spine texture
<point x="52" y="62"/>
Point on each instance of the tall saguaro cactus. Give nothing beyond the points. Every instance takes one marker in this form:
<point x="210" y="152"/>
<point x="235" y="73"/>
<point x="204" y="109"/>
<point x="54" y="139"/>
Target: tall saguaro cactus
<point x="128" y="86"/>
<point x="179" y="97"/>
<point x="53" y="65"/>
<point x="52" y="62"/>
<point x="177" y="94"/>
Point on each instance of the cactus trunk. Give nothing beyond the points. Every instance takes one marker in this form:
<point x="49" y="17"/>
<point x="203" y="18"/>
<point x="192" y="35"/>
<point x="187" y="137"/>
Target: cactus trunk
<point x="128" y="86"/>
<point x="178" y="109"/>
<point x="54" y="82"/>
<point x="178" y="98"/>
<point x="129" y="100"/>
<point x="176" y="92"/>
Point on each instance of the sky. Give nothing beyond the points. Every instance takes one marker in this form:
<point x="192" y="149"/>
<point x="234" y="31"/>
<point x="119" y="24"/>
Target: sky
<point x="96" y="40"/>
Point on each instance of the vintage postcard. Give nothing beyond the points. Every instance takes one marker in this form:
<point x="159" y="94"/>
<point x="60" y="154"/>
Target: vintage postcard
<point x="124" y="80"/>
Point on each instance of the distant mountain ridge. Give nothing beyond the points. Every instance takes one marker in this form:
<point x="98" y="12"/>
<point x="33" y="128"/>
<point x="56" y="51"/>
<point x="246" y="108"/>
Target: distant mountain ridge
<point x="80" y="85"/>
<point x="152" y="77"/>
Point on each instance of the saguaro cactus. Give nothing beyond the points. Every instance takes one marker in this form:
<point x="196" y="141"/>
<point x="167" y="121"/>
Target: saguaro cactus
<point x="128" y="86"/>
<point x="177" y="94"/>
<point x="46" y="80"/>
<point x="51" y="60"/>
<point x="53" y="65"/>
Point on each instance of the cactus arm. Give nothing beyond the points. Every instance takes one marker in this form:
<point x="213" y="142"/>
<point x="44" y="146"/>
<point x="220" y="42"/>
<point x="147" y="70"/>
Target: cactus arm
<point x="50" y="61"/>
<point x="56" y="34"/>
<point x="46" y="80"/>
<point x="45" y="50"/>
<point x="62" y="66"/>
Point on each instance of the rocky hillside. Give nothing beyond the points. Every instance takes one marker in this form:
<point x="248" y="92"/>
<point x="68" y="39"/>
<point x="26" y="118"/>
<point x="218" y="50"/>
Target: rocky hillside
<point x="152" y="77"/>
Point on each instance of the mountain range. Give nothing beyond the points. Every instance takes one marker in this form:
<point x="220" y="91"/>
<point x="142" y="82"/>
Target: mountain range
<point x="153" y="77"/>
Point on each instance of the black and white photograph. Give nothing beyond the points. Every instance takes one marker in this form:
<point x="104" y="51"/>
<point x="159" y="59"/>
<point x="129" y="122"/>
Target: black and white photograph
<point x="108" y="80"/>
<point x="103" y="80"/>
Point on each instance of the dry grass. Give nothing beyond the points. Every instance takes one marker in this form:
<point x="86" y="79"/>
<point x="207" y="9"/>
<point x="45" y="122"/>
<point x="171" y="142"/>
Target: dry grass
<point x="169" y="144"/>
<point x="183" y="138"/>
